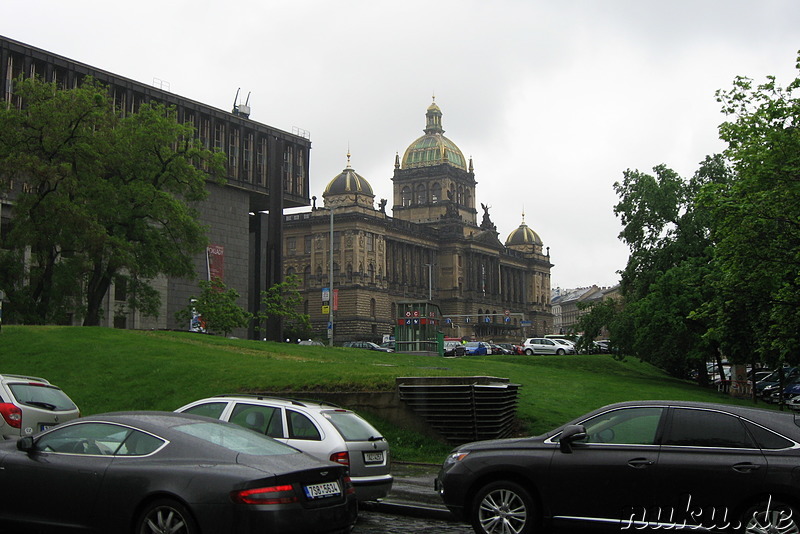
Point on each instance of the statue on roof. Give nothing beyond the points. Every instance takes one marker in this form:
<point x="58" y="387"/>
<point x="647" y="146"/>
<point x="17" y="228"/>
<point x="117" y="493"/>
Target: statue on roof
<point x="486" y="223"/>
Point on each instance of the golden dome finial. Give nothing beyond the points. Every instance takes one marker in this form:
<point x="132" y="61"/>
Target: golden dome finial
<point x="348" y="155"/>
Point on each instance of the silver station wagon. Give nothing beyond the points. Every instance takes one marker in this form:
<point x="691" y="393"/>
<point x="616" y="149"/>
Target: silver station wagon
<point x="321" y="430"/>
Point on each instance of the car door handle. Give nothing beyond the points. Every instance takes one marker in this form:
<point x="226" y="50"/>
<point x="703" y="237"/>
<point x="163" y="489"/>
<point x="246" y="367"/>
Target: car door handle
<point x="745" y="467"/>
<point x="640" y="463"/>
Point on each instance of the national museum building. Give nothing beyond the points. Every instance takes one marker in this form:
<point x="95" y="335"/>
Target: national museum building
<point x="431" y="248"/>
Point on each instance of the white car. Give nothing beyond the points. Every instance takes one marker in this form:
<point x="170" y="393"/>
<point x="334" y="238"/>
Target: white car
<point x="541" y="345"/>
<point x="325" y="431"/>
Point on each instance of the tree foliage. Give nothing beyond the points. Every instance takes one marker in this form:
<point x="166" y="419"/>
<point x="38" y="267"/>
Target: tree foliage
<point x="217" y="307"/>
<point x="108" y="196"/>
<point x="714" y="267"/>
<point x="279" y="305"/>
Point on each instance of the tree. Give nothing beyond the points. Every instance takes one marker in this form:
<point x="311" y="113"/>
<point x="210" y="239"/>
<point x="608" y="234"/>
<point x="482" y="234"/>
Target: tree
<point x="279" y="306"/>
<point x="110" y="195"/>
<point x="665" y="281"/>
<point x="756" y="222"/>
<point x="217" y="306"/>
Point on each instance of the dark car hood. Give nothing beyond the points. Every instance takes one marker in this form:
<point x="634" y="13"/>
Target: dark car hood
<point x="508" y="443"/>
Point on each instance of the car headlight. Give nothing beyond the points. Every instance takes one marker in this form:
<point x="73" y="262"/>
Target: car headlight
<point x="453" y="458"/>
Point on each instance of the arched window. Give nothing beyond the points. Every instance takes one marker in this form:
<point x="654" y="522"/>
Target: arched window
<point x="319" y="273"/>
<point x="372" y="308"/>
<point x="436" y="193"/>
<point x="349" y="272"/>
<point x="336" y="271"/>
<point x="307" y="276"/>
<point x="422" y="194"/>
<point x="405" y="195"/>
<point x="468" y="198"/>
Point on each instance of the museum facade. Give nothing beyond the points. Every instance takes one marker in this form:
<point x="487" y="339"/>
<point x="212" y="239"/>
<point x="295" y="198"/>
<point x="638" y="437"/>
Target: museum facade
<point x="431" y="248"/>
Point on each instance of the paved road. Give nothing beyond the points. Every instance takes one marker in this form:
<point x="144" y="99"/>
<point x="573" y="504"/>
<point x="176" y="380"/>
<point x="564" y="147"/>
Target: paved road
<point x="377" y="523"/>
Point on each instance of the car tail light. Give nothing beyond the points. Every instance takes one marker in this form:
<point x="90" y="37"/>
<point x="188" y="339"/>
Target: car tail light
<point x="349" y="489"/>
<point x="269" y="495"/>
<point x="12" y="414"/>
<point x="341" y="458"/>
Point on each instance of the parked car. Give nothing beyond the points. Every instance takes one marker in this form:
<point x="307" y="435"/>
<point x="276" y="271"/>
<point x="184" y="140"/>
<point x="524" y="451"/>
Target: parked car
<point x="366" y="345"/>
<point x="633" y="465"/>
<point x="511" y="348"/>
<point x="148" y="472"/>
<point x="30" y="404"/>
<point x="499" y="349"/>
<point x="325" y="431"/>
<point x="389" y="345"/>
<point x="311" y="342"/>
<point x="540" y="345"/>
<point x="475" y="348"/>
<point x="766" y="387"/>
<point x="602" y="346"/>
<point x="454" y="348"/>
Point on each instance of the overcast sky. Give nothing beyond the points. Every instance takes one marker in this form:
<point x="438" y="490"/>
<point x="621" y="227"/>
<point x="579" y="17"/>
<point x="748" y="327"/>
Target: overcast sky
<point x="553" y="99"/>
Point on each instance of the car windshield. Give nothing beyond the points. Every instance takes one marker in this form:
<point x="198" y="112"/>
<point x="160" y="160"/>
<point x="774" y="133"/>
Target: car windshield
<point x="351" y="426"/>
<point x="41" y="396"/>
<point x="236" y="439"/>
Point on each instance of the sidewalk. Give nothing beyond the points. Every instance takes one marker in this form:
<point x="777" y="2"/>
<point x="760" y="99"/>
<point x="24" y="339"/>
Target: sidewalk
<point x="412" y="493"/>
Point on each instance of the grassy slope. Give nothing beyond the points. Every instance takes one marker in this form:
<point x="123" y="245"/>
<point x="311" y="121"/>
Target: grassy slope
<point x="104" y="369"/>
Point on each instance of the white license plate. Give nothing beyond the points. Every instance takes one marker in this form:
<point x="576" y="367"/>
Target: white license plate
<point x="373" y="457"/>
<point x="318" y="491"/>
<point x="42" y="428"/>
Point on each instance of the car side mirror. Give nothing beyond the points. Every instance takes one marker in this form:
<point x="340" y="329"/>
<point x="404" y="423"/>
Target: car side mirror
<point x="568" y="435"/>
<point x="25" y="444"/>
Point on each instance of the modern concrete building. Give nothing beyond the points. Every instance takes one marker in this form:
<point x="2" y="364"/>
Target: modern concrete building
<point x="267" y="171"/>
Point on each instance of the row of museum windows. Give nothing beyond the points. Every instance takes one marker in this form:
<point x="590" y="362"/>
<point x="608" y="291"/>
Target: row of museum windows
<point x="460" y="195"/>
<point x="291" y="243"/>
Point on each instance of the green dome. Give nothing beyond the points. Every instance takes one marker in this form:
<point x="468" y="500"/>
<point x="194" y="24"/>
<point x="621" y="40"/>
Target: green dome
<point x="433" y="148"/>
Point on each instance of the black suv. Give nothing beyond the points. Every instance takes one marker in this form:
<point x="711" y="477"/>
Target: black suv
<point x="635" y="465"/>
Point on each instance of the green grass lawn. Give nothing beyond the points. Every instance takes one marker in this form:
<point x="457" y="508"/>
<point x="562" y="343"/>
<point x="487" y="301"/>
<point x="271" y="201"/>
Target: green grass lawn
<point x="105" y="369"/>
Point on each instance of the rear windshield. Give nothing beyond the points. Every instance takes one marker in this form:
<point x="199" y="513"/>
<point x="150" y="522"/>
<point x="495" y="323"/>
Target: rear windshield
<point x="236" y="439"/>
<point x="41" y="396"/>
<point x="351" y="426"/>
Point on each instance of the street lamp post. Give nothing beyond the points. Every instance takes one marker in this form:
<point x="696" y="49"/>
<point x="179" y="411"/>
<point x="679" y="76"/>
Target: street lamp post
<point x="430" y="281"/>
<point x="330" y="288"/>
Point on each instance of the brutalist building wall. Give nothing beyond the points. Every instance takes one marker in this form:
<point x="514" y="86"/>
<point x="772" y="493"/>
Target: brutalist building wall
<point x="267" y="171"/>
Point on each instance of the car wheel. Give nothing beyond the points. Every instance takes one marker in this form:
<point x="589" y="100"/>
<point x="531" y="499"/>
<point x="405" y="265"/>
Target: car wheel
<point x="165" y="515"/>
<point x="529" y="352"/>
<point x="771" y="517"/>
<point x="560" y="352"/>
<point x="503" y="507"/>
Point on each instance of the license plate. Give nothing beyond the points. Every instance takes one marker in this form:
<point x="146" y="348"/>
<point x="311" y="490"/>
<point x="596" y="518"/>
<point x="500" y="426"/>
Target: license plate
<point x="319" y="491"/>
<point x="42" y="428"/>
<point x="373" y="457"/>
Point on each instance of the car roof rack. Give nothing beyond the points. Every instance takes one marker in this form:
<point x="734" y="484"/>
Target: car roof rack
<point x="25" y="377"/>
<point x="296" y="402"/>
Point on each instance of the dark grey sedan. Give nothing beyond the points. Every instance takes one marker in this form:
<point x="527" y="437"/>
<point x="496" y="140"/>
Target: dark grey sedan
<point x="636" y="465"/>
<point x="155" y="472"/>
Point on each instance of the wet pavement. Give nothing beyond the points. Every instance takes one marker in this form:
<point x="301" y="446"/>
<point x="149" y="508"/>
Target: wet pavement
<point x="411" y="506"/>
